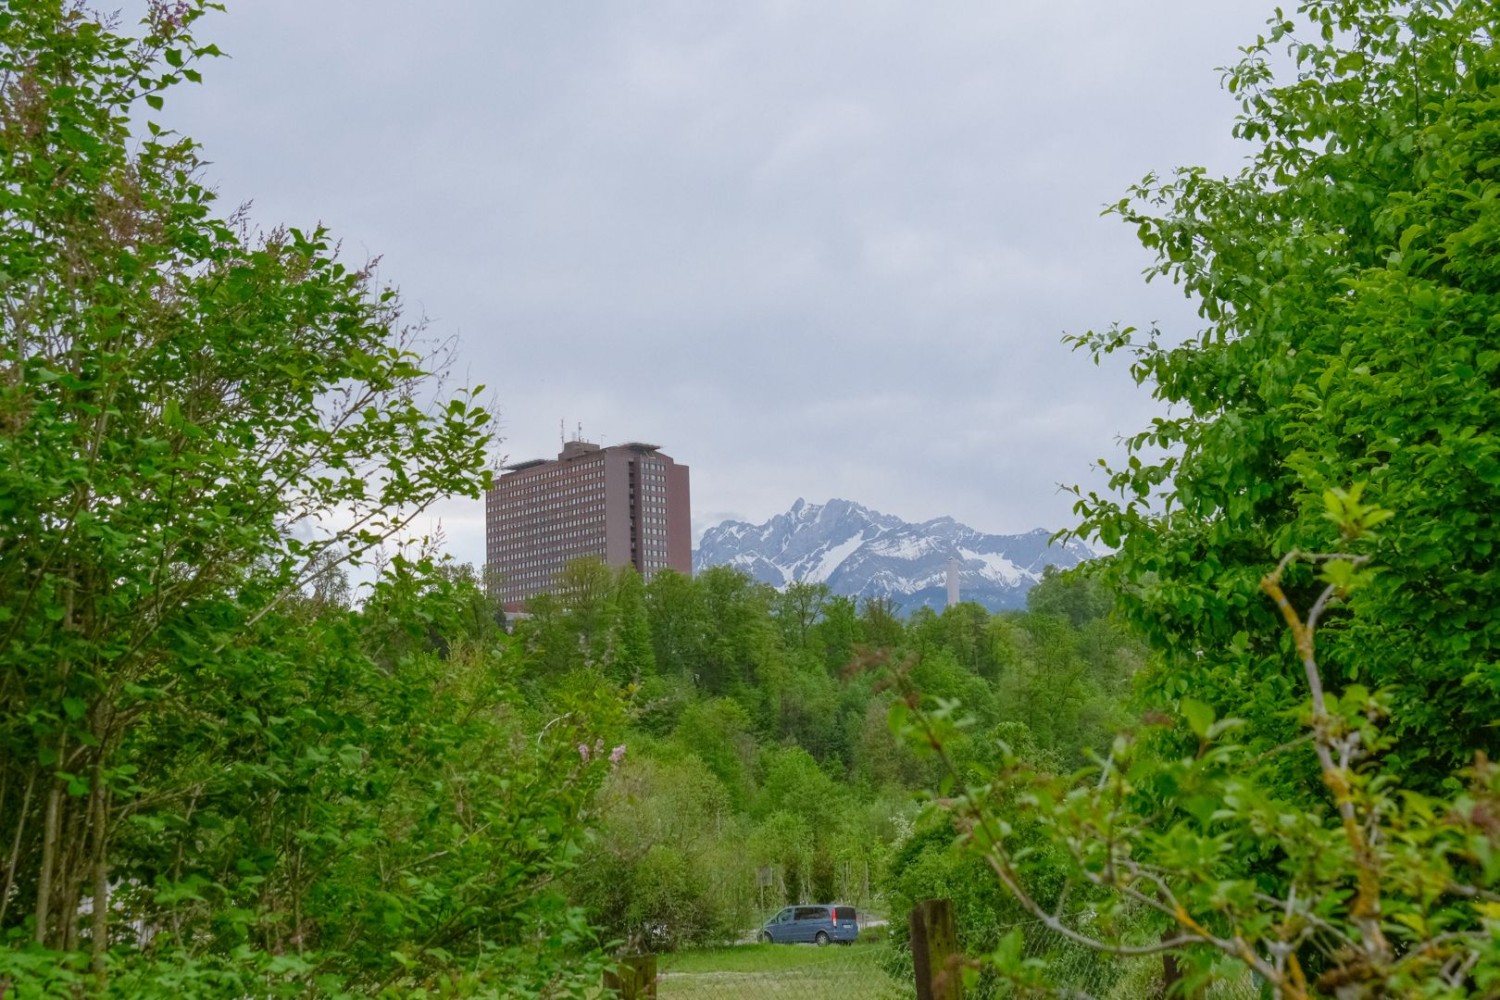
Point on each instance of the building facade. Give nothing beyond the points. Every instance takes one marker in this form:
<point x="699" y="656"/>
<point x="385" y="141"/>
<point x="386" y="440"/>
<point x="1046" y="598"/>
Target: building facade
<point x="628" y="505"/>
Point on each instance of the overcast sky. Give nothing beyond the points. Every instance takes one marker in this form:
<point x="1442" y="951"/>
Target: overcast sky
<point x="815" y="249"/>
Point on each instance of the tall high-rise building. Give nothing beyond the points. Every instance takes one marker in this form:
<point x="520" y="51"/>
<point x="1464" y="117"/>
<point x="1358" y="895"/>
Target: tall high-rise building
<point x="626" y="504"/>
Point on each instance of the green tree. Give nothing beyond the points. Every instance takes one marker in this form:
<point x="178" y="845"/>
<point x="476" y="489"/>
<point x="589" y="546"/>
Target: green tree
<point x="667" y="868"/>
<point x="939" y="675"/>
<point x="880" y="760"/>
<point x="1068" y="686"/>
<point x="740" y="645"/>
<point x="798" y="607"/>
<point x="794" y="784"/>
<point x="838" y="631"/>
<point x="718" y="732"/>
<point x="576" y="625"/>
<point x="185" y="738"/>
<point x="880" y="622"/>
<point x="1074" y="595"/>
<point x="679" y="624"/>
<point x="807" y="714"/>
<point x="783" y="842"/>
<point x="586" y="589"/>
<point x="967" y="631"/>
<point x="633" y="657"/>
<point x="1348" y="280"/>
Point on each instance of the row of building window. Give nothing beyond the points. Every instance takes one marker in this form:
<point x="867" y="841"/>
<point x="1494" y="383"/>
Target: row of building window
<point x="579" y="470"/>
<point x="520" y="498"/>
<point x="511" y="542"/>
<point x="510" y="549"/>
<point x="545" y="483"/>
<point x="533" y="508"/>
<point x="551" y="526"/>
<point x="513" y="522"/>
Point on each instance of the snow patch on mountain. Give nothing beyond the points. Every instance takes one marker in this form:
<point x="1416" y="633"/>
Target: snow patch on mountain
<point x="995" y="565"/>
<point x="831" y="559"/>
<point x="860" y="552"/>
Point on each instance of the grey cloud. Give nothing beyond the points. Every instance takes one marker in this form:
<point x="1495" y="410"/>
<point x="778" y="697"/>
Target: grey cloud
<point x="812" y="249"/>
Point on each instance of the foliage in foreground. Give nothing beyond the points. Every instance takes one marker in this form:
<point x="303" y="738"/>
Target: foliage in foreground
<point x="362" y="811"/>
<point x="1349" y="277"/>
<point x="1310" y="795"/>
<point x="212" y="784"/>
<point x="1370" y="889"/>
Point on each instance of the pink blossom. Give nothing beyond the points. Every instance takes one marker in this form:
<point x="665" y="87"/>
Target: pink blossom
<point x="583" y="751"/>
<point x="617" y="754"/>
<point x="170" y="14"/>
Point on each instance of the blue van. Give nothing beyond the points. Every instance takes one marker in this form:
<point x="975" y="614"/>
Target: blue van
<point x="812" y="924"/>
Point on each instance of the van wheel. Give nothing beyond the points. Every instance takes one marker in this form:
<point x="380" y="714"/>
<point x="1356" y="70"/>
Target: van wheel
<point x="822" y="938"/>
<point x="764" y="938"/>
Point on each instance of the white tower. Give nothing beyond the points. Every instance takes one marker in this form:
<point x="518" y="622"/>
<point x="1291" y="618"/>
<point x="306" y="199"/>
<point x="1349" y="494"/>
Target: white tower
<point x="952" y="582"/>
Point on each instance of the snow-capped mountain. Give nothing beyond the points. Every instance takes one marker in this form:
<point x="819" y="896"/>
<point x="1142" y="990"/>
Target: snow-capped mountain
<point x="860" y="552"/>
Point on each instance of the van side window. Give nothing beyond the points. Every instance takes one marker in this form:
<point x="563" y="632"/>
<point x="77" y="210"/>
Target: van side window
<point x="811" y="913"/>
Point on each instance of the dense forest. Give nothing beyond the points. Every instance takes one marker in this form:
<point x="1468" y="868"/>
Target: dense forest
<point x="758" y="740"/>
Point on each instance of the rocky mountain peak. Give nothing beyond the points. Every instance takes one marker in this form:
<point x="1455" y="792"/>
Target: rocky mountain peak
<point x="860" y="552"/>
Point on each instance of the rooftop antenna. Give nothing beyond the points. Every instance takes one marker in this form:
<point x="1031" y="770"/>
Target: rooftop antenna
<point x="579" y="435"/>
<point x="562" y="435"/>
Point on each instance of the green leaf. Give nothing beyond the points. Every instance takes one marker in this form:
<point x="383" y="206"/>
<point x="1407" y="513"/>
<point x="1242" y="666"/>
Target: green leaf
<point x="1199" y="716"/>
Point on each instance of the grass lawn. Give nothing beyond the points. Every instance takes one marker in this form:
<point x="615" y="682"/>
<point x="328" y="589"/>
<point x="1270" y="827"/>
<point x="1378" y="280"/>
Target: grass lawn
<point x="778" y="972"/>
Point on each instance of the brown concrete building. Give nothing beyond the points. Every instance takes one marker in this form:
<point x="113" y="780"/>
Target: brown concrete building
<point x="626" y="504"/>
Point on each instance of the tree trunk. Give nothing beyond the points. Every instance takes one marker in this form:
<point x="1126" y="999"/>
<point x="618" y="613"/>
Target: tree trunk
<point x="935" y="957"/>
<point x="49" y="860"/>
<point x="15" y="848"/>
<point x="99" y="931"/>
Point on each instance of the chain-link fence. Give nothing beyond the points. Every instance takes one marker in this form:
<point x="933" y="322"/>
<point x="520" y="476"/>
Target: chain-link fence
<point x="1075" y="971"/>
<point x="874" y="969"/>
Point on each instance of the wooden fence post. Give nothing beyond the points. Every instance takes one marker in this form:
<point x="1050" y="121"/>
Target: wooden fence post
<point x="934" y="951"/>
<point x="1171" y="975"/>
<point x="632" y="978"/>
